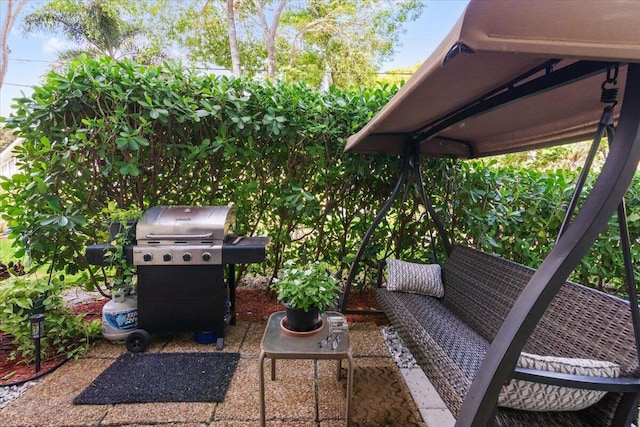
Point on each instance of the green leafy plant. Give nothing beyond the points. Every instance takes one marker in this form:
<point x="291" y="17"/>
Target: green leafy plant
<point x="65" y="333"/>
<point x="306" y="286"/>
<point x="122" y="224"/>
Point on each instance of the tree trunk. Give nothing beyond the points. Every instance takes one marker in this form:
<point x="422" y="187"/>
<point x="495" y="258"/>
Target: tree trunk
<point x="10" y="19"/>
<point x="270" y="34"/>
<point x="233" y="40"/>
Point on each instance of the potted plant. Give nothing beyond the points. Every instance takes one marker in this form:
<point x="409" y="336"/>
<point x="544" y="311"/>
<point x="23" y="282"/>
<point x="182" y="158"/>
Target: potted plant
<point x="306" y="291"/>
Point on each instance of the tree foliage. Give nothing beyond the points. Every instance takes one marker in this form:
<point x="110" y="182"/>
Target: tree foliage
<point x="344" y="42"/>
<point x="397" y="76"/>
<point x="321" y="42"/>
<point x="96" y="26"/>
<point x="338" y="42"/>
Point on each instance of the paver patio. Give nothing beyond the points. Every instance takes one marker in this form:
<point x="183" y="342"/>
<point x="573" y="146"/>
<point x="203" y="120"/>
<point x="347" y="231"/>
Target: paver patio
<point x="306" y="392"/>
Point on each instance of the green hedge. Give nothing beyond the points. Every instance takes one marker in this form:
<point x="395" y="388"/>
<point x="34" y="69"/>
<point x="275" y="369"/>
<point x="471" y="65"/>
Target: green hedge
<point x="517" y="213"/>
<point x="115" y="132"/>
<point x="142" y="136"/>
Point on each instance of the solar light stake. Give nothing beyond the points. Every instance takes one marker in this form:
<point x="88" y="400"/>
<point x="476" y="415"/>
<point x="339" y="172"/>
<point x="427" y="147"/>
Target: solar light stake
<point x="37" y="332"/>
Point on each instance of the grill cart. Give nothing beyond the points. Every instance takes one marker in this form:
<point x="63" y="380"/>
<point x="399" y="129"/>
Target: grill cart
<point x="182" y="255"/>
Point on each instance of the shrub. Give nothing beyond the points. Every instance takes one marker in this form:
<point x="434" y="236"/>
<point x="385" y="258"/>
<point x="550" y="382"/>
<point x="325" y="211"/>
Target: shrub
<point x="65" y="333"/>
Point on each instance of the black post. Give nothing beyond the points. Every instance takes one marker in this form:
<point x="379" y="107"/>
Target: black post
<point x="37" y="332"/>
<point x="37" y="354"/>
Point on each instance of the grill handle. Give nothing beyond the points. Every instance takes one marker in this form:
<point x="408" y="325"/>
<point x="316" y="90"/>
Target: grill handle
<point x="179" y="236"/>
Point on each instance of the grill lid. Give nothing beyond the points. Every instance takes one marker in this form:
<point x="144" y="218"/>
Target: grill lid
<point x="170" y="224"/>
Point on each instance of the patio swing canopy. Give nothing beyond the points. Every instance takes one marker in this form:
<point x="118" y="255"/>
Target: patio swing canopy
<point x="501" y="51"/>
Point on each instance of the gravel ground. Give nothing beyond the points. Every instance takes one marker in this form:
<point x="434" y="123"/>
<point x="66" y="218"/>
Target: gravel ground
<point x="397" y="348"/>
<point x="7" y="394"/>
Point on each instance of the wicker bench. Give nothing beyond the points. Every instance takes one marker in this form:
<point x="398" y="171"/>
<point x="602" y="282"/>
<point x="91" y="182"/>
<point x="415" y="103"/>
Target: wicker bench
<point x="450" y="336"/>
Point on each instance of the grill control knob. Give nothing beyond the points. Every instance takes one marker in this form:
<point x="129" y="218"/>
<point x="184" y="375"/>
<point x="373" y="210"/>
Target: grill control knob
<point x="206" y="256"/>
<point x="147" y="257"/>
<point x="186" y="256"/>
<point x="167" y="257"/>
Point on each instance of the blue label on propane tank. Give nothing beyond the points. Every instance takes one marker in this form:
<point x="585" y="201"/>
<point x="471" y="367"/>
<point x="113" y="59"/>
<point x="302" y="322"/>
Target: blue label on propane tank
<point x="127" y="319"/>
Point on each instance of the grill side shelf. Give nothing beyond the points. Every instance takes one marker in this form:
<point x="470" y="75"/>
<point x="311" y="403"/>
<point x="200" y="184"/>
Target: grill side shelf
<point x="247" y="251"/>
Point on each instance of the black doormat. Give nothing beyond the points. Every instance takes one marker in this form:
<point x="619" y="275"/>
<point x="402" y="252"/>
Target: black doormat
<point x="162" y="377"/>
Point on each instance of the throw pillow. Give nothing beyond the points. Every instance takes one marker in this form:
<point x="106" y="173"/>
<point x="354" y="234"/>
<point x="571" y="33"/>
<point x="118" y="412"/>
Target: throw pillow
<point x="530" y="396"/>
<point x="425" y="279"/>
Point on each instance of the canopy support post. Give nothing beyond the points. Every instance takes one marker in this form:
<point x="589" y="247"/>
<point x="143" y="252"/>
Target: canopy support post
<point x="605" y="123"/>
<point x="606" y="196"/>
<point x="630" y="281"/>
<point x="410" y="170"/>
<point x="624" y="414"/>
<point x="402" y="180"/>
<point x="628" y="409"/>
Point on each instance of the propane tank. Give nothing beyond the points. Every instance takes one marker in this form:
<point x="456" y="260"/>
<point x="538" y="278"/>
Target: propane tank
<point x="119" y="316"/>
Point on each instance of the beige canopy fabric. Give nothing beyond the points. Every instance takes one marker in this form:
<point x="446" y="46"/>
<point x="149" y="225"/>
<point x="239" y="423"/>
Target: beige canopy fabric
<point x="461" y="100"/>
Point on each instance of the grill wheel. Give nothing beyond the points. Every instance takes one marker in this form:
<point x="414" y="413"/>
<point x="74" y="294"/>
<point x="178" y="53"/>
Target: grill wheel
<point x="138" y="341"/>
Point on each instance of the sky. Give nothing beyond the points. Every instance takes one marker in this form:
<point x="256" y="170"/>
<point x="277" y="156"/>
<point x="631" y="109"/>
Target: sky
<point x="32" y="56"/>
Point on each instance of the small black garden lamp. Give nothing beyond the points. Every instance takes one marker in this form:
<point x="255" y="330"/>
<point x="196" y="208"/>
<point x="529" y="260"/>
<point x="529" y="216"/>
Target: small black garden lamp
<point x="37" y="332"/>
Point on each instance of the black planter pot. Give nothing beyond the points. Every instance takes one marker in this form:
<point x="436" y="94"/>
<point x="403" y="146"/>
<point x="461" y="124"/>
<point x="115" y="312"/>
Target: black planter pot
<point x="302" y="321"/>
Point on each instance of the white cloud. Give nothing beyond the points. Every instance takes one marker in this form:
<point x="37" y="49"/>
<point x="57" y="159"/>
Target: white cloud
<point x="54" y="45"/>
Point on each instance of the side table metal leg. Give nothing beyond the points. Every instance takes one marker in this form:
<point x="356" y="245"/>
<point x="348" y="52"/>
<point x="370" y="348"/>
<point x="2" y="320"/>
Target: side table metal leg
<point x="273" y="369"/>
<point x="349" y="389"/>
<point x="262" y="403"/>
<point x="339" y="373"/>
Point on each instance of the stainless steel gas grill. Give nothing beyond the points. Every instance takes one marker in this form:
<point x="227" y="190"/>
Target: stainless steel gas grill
<point x="183" y="235"/>
<point x="182" y="255"/>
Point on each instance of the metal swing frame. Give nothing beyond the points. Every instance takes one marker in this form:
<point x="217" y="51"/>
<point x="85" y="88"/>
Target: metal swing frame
<point x="573" y="242"/>
<point x="605" y="199"/>
<point x="411" y="171"/>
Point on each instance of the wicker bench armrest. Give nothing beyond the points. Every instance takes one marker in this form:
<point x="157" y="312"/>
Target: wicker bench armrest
<point x="621" y="385"/>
